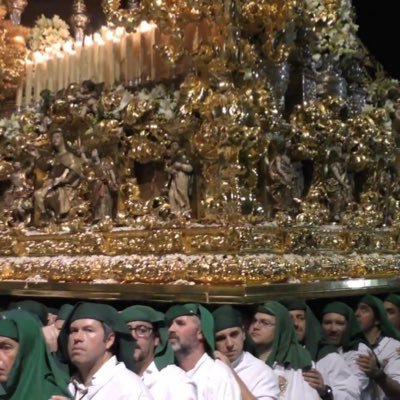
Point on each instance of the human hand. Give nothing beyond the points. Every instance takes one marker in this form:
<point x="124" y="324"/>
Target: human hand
<point x="50" y="334"/>
<point x="368" y="364"/>
<point x="219" y="356"/>
<point x="315" y="380"/>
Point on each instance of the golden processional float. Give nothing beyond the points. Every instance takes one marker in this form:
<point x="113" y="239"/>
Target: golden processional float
<point x="196" y="150"/>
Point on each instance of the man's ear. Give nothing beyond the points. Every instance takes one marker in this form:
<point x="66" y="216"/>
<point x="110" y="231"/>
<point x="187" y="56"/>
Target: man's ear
<point x="110" y="341"/>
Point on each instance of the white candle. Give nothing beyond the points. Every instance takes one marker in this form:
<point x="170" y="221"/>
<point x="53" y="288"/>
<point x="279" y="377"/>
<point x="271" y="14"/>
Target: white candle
<point x="152" y="34"/>
<point x="78" y="50"/>
<point x="51" y="68"/>
<point x="67" y="63"/>
<point x="18" y="100"/>
<point x="28" y="81"/>
<point x="109" y="59"/>
<point x="117" y="58"/>
<point x="38" y="57"/>
<point x="137" y="56"/>
<point x="148" y="40"/>
<point x="88" y="56"/>
<point x="59" y="70"/>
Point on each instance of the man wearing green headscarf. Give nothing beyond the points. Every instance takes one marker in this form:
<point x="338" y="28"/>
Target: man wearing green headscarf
<point x="276" y="344"/>
<point x="382" y="364"/>
<point x="27" y="369"/>
<point x="392" y="307"/>
<point x="257" y="381"/>
<point x="152" y="355"/>
<point x="191" y="336"/>
<point x="332" y="378"/>
<point x="98" y="347"/>
<point x="342" y="330"/>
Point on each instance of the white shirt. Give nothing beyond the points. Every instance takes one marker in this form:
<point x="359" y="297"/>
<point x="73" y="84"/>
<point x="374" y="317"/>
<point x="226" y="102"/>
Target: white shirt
<point x="350" y="357"/>
<point x="257" y="376"/>
<point x="339" y="377"/>
<point x="169" y="383"/>
<point x="292" y="385"/>
<point x="214" y="380"/>
<point x="387" y="352"/>
<point x="112" y="381"/>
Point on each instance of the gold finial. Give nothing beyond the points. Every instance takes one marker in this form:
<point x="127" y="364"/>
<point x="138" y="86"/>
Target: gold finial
<point x="15" y="9"/>
<point x="79" y="19"/>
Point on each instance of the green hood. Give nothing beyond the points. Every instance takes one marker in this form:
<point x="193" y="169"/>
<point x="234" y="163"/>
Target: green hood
<point x="380" y="313"/>
<point x="286" y="350"/>
<point x="164" y="355"/>
<point x="314" y="340"/>
<point x="206" y="320"/>
<point x="125" y="346"/>
<point x="226" y="317"/>
<point x="34" y="374"/>
<point x="64" y="311"/>
<point x="33" y="307"/>
<point x="394" y="299"/>
<point x="352" y="336"/>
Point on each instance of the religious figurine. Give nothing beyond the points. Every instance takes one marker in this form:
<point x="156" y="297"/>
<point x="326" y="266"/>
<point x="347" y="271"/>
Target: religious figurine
<point x="17" y="199"/>
<point x="103" y="188"/>
<point x="337" y="184"/>
<point x="58" y="192"/>
<point x="285" y="182"/>
<point x="179" y="171"/>
<point x="88" y="96"/>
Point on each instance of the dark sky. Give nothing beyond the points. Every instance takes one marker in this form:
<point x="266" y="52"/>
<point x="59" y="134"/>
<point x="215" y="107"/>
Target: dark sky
<point x="379" y="24"/>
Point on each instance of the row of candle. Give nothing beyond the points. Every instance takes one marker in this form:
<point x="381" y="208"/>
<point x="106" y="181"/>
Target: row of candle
<point x="109" y="56"/>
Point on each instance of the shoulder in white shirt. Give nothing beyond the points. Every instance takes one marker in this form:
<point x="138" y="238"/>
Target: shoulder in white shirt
<point x="214" y="380"/>
<point x="257" y="376"/>
<point x="112" y="381"/>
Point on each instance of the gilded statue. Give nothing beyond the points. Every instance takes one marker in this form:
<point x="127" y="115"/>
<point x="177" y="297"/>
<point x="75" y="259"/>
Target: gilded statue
<point x="57" y="196"/>
<point x="103" y="188"/>
<point x="285" y="181"/>
<point x="17" y="199"/>
<point x="337" y="184"/>
<point x="179" y="170"/>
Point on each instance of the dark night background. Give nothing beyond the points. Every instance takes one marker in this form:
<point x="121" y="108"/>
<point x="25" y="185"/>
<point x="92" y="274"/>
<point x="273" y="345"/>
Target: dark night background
<point x="378" y="24"/>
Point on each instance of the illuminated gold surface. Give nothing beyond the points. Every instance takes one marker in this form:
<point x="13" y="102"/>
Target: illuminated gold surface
<point x="238" y="294"/>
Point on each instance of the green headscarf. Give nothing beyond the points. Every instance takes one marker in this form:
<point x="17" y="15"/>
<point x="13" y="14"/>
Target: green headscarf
<point x="314" y="340"/>
<point x="33" y="307"/>
<point x="394" y="299"/>
<point x="34" y="374"/>
<point x="380" y="313"/>
<point x="124" y="344"/>
<point x="206" y="320"/>
<point x="226" y="317"/>
<point x="286" y="350"/>
<point x="163" y="355"/>
<point x="64" y="311"/>
<point x="352" y="335"/>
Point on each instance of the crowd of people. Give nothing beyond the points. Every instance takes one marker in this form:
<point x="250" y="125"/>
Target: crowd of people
<point x="192" y="352"/>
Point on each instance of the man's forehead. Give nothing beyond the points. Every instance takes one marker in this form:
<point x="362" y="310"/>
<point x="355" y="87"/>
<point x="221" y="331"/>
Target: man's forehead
<point x="297" y="312"/>
<point x="138" y="323"/>
<point x="263" y="315"/>
<point x="228" y="331"/>
<point x="85" y="321"/>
